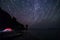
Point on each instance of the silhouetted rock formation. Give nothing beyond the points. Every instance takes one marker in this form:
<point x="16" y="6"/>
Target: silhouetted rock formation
<point x="4" y="19"/>
<point x="17" y="25"/>
<point x="7" y="21"/>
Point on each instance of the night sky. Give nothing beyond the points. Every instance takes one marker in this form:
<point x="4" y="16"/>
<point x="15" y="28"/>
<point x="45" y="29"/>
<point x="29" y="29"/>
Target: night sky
<point x="32" y="11"/>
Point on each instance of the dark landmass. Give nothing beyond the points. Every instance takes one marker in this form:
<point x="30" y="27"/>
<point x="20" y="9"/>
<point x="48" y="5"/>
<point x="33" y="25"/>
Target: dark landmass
<point x="7" y="21"/>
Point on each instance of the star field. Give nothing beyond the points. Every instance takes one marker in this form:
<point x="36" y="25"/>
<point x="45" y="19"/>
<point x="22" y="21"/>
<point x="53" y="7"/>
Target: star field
<point x="32" y="11"/>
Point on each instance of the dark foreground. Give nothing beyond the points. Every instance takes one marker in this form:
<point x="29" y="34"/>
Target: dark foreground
<point x="38" y="34"/>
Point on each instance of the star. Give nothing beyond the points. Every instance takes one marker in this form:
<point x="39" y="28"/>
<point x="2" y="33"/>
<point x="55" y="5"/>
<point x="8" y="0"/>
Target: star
<point x="32" y="10"/>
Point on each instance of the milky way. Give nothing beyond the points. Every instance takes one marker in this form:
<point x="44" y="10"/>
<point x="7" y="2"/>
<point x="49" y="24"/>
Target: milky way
<point x="32" y="11"/>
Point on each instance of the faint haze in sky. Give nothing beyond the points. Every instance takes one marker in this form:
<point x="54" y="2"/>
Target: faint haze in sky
<point x="32" y="11"/>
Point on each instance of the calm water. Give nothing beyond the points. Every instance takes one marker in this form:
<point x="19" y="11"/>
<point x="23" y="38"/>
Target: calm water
<point x="45" y="34"/>
<point x="40" y="34"/>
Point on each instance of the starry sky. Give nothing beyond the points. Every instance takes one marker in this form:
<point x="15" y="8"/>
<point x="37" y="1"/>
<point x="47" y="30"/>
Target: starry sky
<point x="32" y="11"/>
